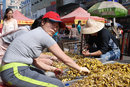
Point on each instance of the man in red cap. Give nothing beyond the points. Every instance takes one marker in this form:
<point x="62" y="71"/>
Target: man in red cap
<point x="24" y="51"/>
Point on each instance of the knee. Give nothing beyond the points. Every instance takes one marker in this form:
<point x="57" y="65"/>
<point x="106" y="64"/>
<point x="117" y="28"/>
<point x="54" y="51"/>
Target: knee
<point x="104" y="56"/>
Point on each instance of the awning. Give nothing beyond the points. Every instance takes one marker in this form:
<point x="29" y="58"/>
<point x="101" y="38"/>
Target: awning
<point x="79" y="14"/>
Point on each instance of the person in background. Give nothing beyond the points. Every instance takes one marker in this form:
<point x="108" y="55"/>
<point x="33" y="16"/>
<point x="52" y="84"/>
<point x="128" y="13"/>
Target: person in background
<point x="9" y="23"/>
<point x="65" y="35"/>
<point x="55" y="36"/>
<point x="79" y="26"/>
<point x="21" y="54"/>
<point x="120" y="32"/>
<point x="66" y="31"/>
<point x="108" y="26"/>
<point x="73" y="35"/>
<point x="101" y="42"/>
<point x="8" y="37"/>
<point x="114" y="30"/>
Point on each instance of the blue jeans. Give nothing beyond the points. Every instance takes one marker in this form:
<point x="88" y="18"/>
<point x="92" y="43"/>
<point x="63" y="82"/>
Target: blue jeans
<point x="111" y="55"/>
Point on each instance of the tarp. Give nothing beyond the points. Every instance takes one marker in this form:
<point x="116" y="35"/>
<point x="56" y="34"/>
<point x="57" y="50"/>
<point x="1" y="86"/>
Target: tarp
<point x="21" y="19"/>
<point x="79" y="14"/>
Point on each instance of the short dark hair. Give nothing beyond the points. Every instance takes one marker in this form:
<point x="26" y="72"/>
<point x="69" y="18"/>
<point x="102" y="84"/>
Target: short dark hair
<point x="73" y="25"/>
<point x="79" y="22"/>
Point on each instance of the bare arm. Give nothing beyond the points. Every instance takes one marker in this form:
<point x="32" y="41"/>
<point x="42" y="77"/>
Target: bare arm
<point x="56" y="50"/>
<point x="54" y="58"/>
<point x="40" y="64"/>
<point x="45" y="62"/>
<point x="96" y="53"/>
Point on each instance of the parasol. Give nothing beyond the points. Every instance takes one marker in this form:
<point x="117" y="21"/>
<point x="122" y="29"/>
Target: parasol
<point x="108" y="9"/>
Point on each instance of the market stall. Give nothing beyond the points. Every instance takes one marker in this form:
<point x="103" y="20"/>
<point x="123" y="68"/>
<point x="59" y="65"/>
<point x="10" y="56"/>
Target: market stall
<point x="21" y="19"/>
<point x="79" y="14"/>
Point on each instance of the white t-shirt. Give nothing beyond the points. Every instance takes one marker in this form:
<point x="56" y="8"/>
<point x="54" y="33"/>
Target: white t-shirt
<point x="9" y="26"/>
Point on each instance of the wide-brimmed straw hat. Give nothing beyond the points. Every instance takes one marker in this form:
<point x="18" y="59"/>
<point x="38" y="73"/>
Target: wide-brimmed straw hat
<point x="92" y="27"/>
<point x="53" y="16"/>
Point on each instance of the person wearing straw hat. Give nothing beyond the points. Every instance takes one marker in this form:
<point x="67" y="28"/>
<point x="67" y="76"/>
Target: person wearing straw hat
<point x="106" y="46"/>
<point x="17" y="70"/>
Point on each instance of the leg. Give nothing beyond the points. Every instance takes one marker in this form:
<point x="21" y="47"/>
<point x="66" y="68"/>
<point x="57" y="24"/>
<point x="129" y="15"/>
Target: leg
<point x="111" y="55"/>
<point x="29" y="77"/>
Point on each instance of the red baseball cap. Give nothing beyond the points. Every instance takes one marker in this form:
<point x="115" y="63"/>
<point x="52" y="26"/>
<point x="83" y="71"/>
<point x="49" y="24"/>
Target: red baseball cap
<point x="53" y="16"/>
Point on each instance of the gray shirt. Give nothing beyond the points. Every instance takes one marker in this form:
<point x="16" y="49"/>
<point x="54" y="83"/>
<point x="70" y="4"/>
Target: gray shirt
<point x="28" y="46"/>
<point x="10" y="37"/>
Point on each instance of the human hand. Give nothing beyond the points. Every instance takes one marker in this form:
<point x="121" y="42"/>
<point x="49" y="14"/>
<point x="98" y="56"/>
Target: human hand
<point x="58" y="72"/>
<point x="54" y="58"/>
<point x="86" y="53"/>
<point x="84" y="69"/>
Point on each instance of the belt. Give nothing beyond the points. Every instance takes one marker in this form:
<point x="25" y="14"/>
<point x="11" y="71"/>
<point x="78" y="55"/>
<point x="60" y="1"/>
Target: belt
<point x="11" y="65"/>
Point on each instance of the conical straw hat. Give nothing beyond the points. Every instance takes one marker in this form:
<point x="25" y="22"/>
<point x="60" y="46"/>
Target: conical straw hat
<point x="92" y="26"/>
